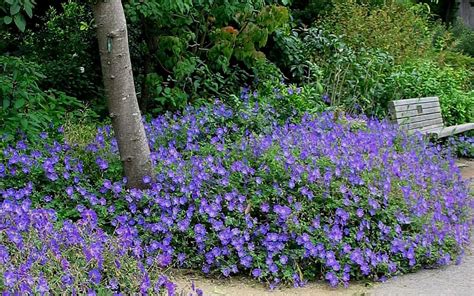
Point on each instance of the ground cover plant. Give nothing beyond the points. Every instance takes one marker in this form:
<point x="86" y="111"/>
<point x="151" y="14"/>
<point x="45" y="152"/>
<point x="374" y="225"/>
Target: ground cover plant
<point x="37" y="257"/>
<point x="329" y="197"/>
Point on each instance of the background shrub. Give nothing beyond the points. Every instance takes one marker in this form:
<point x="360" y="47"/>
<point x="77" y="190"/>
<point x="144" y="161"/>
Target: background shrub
<point x="464" y="36"/>
<point x="425" y="78"/>
<point x="25" y="106"/>
<point x="65" y="47"/>
<point x="401" y="30"/>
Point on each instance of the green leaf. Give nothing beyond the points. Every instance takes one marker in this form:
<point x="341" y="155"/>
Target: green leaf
<point x="24" y="123"/>
<point x="83" y="26"/>
<point x="20" y="22"/>
<point x="7" y="20"/>
<point x="14" y="9"/>
<point x="19" y="103"/>
<point x="29" y="9"/>
<point x="6" y="103"/>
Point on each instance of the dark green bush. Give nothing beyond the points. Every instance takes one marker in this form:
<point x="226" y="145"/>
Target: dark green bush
<point x="464" y="37"/>
<point x="65" y="46"/>
<point x="186" y="50"/>
<point x="345" y="76"/>
<point x="25" y="106"/>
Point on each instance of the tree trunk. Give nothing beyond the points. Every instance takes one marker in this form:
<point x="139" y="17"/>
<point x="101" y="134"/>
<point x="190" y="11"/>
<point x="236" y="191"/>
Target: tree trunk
<point x="466" y="12"/>
<point x="120" y="91"/>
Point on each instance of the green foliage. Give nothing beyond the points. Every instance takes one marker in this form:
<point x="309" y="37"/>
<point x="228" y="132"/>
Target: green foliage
<point x="400" y="30"/>
<point x="349" y="77"/>
<point x="15" y="12"/>
<point x="307" y="11"/>
<point x="355" y="55"/>
<point x="464" y="36"/>
<point x="25" y="106"/>
<point x="426" y="78"/>
<point x="184" y="50"/>
<point x="66" y="48"/>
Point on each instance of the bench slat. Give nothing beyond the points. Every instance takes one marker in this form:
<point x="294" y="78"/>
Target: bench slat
<point x="424" y="117"/>
<point x="414" y="107"/>
<point x="423" y="124"/>
<point x="411" y="113"/>
<point x="415" y="101"/>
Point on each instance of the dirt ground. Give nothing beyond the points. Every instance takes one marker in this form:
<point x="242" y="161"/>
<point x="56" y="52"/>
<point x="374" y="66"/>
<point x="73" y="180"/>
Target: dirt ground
<point x="236" y="286"/>
<point x="451" y="280"/>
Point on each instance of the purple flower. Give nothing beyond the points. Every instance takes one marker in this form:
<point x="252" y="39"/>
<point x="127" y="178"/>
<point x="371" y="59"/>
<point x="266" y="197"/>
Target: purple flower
<point x="103" y="165"/>
<point x="42" y="285"/>
<point x="4" y="255"/>
<point x="95" y="276"/>
<point x="9" y="278"/>
<point x="332" y="278"/>
<point x="146" y="179"/>
<point x="273" y="268"/>
<point x="67" y="279"/>
<point x="283" y="259"/>
<point x="256" y="272"/>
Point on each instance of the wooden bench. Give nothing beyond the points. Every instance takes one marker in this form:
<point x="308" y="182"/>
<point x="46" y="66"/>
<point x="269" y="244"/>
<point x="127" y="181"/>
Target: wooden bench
<point x="423" y="115"/>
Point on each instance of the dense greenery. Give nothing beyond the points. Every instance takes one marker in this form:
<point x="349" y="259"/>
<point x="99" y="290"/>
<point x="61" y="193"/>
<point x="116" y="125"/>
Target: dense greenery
<point x="355" y="54"/>
<point x="25" y="107"/>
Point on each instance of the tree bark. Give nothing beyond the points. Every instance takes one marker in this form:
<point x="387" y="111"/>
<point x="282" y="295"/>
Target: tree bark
<point x="466" y="12"/>
<point x="120" y="91"/>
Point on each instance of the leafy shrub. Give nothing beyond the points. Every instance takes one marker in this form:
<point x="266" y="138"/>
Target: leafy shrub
<point x="353" y="78"/>
<point x="425" y="78"/>
<point x="401" y="30"/>
<point x="307" y="12"/>
<point x="15" y="12"/>
<point x="464" y="37"/>
<point x="289" y="101"/>
<point x="185" y="50"/>
<point x="356" y="63"/>
<point x="37" y="256"/>
<point x="330" y="197"/>
<point x="24" y="105"/>
<point x="66" y="48"/>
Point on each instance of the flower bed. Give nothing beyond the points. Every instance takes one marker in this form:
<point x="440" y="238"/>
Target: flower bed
<point x="76" y="258"/>
<point x="325" y="198"/>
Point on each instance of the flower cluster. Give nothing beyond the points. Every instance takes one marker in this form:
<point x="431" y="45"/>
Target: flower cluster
<point x="329" y="197"/>
<point x="36" y="257"/>
<point x="461" y="145"/>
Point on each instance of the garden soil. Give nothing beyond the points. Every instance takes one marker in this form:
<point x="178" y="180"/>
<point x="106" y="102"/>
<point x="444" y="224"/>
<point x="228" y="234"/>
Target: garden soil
<point x="453" y="280"/>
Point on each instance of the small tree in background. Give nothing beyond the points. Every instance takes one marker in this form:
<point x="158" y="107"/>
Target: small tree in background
<point x="120" y="91"/>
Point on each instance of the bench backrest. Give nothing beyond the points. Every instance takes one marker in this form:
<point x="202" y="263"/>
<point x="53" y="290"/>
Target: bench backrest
<point x="417" y="114"/>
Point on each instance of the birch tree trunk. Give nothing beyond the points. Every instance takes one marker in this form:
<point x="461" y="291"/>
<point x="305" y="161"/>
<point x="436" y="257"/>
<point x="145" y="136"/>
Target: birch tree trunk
<point x="120" y="91"/>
